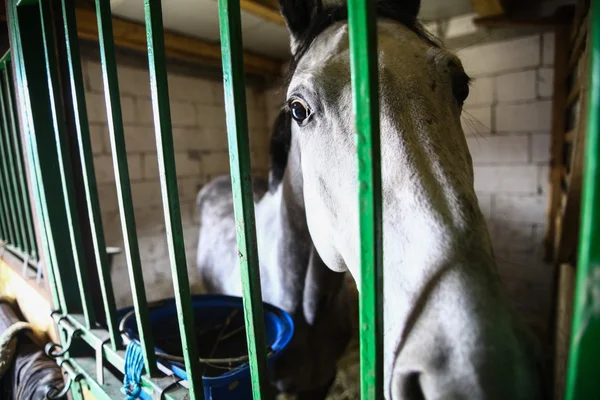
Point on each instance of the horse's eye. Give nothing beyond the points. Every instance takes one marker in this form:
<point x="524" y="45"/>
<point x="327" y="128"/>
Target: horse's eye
<point x="462" y="94"/>
<point x="300" y="111"/>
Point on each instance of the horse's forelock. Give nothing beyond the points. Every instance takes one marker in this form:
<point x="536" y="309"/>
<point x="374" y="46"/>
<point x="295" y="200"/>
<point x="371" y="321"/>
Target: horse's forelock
<point x="329" y="13"/>
<point x="280" y="147"/>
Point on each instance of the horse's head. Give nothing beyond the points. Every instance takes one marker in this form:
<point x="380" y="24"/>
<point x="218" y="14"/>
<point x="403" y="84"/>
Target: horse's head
<point x="449" y="330"/>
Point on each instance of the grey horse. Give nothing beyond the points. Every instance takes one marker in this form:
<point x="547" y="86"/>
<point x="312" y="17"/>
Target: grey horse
<point x="449" y="329"/>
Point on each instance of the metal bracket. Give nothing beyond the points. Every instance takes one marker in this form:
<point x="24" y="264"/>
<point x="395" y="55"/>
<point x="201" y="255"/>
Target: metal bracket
<point x="40" y="268"/>
<point x="52" y="349"/>
<point x="161" y="385"/>
<point x="25" y="267"/>
<point x="52" y="392"/>
<point x="100" y="360"/>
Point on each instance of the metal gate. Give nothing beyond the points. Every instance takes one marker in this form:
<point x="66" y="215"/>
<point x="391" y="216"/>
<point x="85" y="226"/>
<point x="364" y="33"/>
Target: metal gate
<point x="44" y="113"/>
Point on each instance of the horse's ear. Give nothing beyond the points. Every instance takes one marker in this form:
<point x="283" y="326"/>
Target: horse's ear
<point x="298" y="15"/>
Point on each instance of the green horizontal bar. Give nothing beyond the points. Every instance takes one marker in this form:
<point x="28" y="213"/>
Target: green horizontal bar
<point x="116" y="358"/>
<point x="26" y="2"/>
<point x="88" y="172"/>
<point x="170" y="192"/>
<point x="109" y="390"/>
<point x="6" y="58"/>
<point x="584" y="356"/>
<point x="241" y="179"/>
<point x="64" y="164"/>
<point x="23" y="256"/>
<point x="365" y="81"/>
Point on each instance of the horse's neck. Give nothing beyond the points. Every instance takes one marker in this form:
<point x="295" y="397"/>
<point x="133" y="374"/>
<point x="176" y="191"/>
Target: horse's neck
<point x="284" y="247"/>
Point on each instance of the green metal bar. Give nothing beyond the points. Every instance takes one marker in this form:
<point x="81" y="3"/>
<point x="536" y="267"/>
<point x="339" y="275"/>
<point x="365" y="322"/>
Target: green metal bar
<point x="119" y="156"/>
<point x="89" y="175"/>
<point x="241" y="179"/>
<point x="19" y="159"/>
<point x="170" y="196"/>
<point x="4" y="218"/>
<point x="3" y="224"/>
<point x="64" y="164"/>
<point x="11" y="150"/>
<point x="5" y="59"/>
<point x="584" y="356"/>
<point x="19" y="39"/>
<point x="365" y="81"/>
<point x="8" y="195"/>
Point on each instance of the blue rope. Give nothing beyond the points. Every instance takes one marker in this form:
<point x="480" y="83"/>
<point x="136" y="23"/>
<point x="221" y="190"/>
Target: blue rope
<point x="134" y="367"/>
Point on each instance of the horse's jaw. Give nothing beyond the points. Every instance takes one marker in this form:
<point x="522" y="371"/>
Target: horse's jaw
<point x="455" y="338"/>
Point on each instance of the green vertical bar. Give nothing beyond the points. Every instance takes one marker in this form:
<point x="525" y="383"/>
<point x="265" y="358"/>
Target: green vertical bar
<point x="64" y="164"/>
<point x="119" y="156"/>
<point x="3" y="222"/>
<point x="170" y="196"/>
<point x="584" y="356"/>
<point x="4" y="207"/>
<point x="89" y="175"/>
<point x="9" y="195"/>
<point x="241" y="179"/>
<point x="365" y="81"/>
<point x="19" y="160"/>
<point x="12" y="163"/>
<point x="55" y="277"/>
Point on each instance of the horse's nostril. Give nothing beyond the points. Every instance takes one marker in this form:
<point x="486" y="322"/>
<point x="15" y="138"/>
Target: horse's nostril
<point x="411" y="387"/>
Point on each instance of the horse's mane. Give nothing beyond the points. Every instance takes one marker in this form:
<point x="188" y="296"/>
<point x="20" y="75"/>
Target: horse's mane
<point x="281" y="135"/>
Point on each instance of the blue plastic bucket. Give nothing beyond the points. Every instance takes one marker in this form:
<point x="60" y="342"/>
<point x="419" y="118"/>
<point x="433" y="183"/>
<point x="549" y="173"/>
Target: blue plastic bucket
<point x="222" y="317"/>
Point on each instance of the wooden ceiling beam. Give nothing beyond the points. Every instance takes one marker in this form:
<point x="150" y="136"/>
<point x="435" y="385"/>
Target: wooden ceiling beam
<point x="132" y="36"/>
<point x="503" y="21"/>
<point x="488" y="8"/>
<point x="264" y="9"/>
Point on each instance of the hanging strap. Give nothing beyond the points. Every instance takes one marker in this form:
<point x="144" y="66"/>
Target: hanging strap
<point x="134" y="367"/>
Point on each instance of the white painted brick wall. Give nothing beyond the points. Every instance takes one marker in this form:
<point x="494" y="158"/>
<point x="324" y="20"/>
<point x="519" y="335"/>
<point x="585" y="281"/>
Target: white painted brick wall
<point x="506" y="178"/>
<point x="528" y="117"/>
<point x="461" y="26"/>
<point x="499" y="149"/>
<point x="545" y="82"/>
<point x="98" y="138"/>
<point x="504" y="56"/>
<point x="200" y="141"/>
<point x="540" y="147"/>
<point x="529" y="209"/>
<point x="482" y="92"/>
<point x="518" y="86"/>
<point x="548" y="49"/>
<point x="478" y="120"/>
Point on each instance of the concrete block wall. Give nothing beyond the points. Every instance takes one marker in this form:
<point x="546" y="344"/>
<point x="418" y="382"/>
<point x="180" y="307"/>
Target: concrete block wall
<point x="200" y="141"/>
<point x="507" y="120"/>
